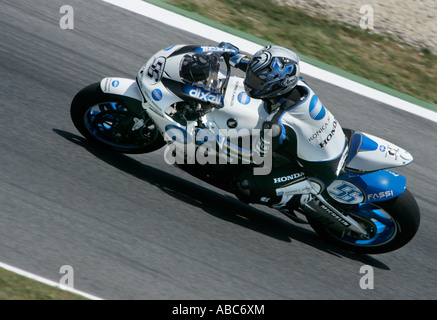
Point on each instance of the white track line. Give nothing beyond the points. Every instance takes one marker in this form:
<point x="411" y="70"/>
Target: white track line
<point x="180" y="22"/>
<point x="47" y="281"/>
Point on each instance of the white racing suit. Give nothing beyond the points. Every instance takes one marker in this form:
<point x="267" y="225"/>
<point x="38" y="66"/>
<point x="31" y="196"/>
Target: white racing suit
<point x="310" y="143"/>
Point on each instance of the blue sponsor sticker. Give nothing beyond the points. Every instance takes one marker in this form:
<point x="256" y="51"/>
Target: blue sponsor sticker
<point x="243" y="98"/>
<point x="115" y="83"/>
<point x="317" y="110"/>
<point x="157" y="94"/>
<point x="203" y="95"/>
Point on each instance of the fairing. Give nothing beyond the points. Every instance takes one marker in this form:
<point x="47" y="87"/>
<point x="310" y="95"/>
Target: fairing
<point x="370" y="153"/>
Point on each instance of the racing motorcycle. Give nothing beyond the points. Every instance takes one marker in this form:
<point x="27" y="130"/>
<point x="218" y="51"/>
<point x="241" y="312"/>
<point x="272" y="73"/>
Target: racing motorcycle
<point x="202" y="115"/>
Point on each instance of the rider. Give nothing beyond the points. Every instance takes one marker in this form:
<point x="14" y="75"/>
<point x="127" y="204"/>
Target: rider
<point x="307" y="139"/>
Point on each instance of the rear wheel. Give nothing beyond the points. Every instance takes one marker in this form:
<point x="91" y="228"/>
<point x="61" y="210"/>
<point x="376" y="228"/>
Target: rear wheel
<point x="390" y="224"/>
<point x="115" y="121"/>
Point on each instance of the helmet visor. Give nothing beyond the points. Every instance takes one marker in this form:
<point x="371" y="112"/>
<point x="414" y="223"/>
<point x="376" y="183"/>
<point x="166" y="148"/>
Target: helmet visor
<point x="253" y="82"/>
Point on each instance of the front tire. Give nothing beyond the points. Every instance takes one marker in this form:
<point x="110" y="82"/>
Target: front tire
<point x="392" y="224"/>
<point x="110" y="120"/>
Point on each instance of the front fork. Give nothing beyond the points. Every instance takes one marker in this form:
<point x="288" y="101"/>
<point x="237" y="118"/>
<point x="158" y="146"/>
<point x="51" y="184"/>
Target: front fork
<point x="321" y="210"/>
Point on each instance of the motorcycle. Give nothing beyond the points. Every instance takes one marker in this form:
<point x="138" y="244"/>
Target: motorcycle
<point x="203" y="115"/>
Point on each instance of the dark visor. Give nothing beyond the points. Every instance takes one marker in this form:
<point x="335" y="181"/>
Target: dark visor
<point x="253" y="81"/>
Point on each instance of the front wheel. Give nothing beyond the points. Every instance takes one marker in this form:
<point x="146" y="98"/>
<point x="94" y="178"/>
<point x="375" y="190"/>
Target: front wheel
<point x="390" y="224"/>
<point x="114" y="121"/>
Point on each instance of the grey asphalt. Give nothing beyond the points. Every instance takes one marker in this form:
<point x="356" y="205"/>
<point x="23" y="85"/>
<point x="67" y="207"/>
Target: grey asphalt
<point x="133" y="227"/>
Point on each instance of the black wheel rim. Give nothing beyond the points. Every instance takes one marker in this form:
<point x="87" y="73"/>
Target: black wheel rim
<point x="113" y="124"/>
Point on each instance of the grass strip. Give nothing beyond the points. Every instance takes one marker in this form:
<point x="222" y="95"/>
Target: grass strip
<point x="377" y="61"/>
<point x="16" y="287"/>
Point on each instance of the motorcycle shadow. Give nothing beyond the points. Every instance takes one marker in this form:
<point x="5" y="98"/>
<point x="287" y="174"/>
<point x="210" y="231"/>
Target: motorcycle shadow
<point x="217" y="203"/>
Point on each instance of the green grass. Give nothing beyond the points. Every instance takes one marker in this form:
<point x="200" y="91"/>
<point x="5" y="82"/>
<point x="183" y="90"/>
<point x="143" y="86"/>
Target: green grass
<point x="16" y="287"/>
<point x="376" y="59"/>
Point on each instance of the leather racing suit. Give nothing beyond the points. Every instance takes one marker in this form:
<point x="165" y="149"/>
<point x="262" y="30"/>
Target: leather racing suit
<point x="310" y="143"/>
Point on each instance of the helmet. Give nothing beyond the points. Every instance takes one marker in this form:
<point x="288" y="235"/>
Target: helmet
<point x="272" y="72"/>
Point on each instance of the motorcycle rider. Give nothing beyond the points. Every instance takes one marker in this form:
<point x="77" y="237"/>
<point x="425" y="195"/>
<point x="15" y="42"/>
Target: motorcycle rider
<point x="307" y="140"/>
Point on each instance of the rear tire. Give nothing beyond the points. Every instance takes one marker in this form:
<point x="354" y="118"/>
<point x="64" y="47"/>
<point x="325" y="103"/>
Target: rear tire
<point x="404" y="216"/>
<point x="108" y="119"/>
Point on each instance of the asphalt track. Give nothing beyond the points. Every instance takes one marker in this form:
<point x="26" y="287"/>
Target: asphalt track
<point x="133" y="227"/>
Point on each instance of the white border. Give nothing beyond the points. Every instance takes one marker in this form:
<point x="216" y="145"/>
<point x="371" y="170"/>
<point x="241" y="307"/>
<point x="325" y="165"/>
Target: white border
<point x="180" y="22"/>
<point x="47" y="281"/>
